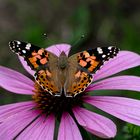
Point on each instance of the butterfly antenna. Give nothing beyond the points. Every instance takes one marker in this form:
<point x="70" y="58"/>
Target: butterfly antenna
<point x="79" y="40"/>
<point x="76" y="43"/>
<point x="45" y="35"/>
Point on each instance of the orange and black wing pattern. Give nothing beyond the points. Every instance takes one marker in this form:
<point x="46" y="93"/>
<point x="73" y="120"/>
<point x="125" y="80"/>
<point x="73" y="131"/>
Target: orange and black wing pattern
<point x="77" y="83"/>
<point x="83" y="65"/>
<point x="33" y="55"/>
<point x="43" y="62"/>
<point x="93" y="59"/>
<point x="46" y="79"/>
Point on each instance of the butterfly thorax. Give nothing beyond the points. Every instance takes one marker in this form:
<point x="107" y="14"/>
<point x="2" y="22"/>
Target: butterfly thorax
<point x="62" y="61"/>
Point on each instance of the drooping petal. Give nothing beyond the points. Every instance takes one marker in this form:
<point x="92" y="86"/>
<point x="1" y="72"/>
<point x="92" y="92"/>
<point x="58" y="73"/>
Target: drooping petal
<point x="26" y="66"/>
<point x="118" y="82"/>
<point x="12" y="109"/>
<point x="15" y="82"/>
<point x="95" y="123"/>
<point x="123" y="61"/>
<point x="58" y="48"/>
<point x="123" y="108"/>
<point x="15" y="124"/>
<point x="68" y="129"/>
<point x="40" y="129"/>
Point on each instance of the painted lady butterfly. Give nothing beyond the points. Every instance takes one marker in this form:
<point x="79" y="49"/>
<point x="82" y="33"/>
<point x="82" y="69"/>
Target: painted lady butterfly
<point x="63" y="75"/>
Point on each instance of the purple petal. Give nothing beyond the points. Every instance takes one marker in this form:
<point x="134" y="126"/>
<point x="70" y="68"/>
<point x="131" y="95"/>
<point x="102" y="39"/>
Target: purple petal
<point x="95" y="123"/>
<point x="68" y="129"/>
<point x="58" y="48"/>
<point x="40" y="129"/>
<point x="49" y="128"/>
<point x="26" y="66"/>
<point x="15" y="82"/>
<point x="118" y="82"/>
<point x="13" y="125"/>
<point x="12" y="109"/>
<point x="123" y="108"/>
<point x="123" y="61"/>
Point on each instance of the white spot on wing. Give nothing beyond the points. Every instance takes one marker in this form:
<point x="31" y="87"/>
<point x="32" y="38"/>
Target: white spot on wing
<point x="18" y="42"/>
<point x="28" y="46"/>
<point x="103" y="56"/>
<point x="100" y="51"/>
<point x="110" y="47"/>
<point x="24" y="51"/>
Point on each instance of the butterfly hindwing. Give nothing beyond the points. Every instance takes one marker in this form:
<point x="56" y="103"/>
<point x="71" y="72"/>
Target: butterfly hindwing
<point x="77" y="83"/>
<point x="45" y="79"/>
<point x="33" y="55"/>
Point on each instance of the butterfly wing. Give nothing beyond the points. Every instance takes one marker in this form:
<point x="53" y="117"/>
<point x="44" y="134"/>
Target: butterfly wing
<point x="33" y="55"/>
<point x="48" y="78"/>
<point x="83" y="65"/>
<point x="92" y="60"/>
<point x="43" y="62"/>
<point x="77" y="81"/>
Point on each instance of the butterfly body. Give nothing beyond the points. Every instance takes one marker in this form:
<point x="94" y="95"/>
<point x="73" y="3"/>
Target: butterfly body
<point x="63" y="75"/>
<point x="63" y="62"/>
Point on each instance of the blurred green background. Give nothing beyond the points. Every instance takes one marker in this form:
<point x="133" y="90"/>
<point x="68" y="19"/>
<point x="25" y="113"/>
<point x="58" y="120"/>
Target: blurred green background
<point x="103" y="23"/>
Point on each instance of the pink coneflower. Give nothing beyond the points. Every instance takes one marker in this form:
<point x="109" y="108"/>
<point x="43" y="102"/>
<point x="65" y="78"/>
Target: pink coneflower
<point x="30" y="121"/>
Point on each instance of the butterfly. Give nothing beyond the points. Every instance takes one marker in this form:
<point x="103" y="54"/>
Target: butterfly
<point x="63" y="75"/>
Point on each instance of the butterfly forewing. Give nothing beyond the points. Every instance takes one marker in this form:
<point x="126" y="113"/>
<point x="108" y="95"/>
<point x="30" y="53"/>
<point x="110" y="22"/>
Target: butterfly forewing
<point x="33" y="55"/>
<point x="77" y="83"/>
<point x="93" y="59"/>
